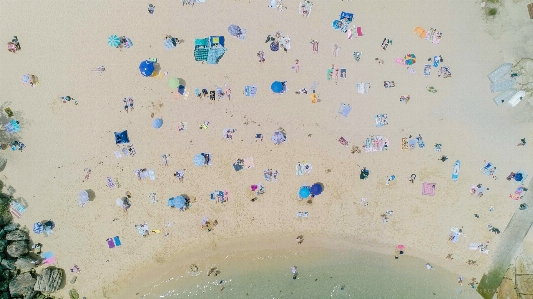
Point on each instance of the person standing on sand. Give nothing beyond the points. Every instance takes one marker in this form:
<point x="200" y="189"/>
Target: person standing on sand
<point x="294" y="272"/>
<point x="296" y="66"/>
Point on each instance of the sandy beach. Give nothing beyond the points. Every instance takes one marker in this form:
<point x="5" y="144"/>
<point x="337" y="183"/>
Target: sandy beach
<point x="61" y="43"/>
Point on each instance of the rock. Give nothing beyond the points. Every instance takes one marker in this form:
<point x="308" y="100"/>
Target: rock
<point x="5" y="295"/>
<point x="73" y="294"/>
<point x="11" y="227"/>
<point x="49" y="280"/>
<point x="17" y="235"/>
<point x="2" y="233"/>
<point x="8" y="264"/>
<point x="24" y="264"/>
<point x="3" y="245"/>
<point x="5" y="275"/>
<point x="22" y="286"/>
<point x="4" y="285"/>
<point x="17" y="248"/>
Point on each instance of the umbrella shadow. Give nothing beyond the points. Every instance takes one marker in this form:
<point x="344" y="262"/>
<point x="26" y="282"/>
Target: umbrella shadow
<point x="321" y="185"/>
<point x="182" y="82"/>
<point x="91" y="193"/>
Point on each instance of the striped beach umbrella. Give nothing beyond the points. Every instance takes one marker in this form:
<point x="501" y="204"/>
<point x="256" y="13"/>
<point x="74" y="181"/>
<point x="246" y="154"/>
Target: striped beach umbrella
<point x="113" y="41"/>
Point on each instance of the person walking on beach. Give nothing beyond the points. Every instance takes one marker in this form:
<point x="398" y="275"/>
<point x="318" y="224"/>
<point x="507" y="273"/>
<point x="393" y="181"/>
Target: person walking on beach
<point x="522" y="143"/>
<point x="296" y="66"/>
<point x="294" y="272"/>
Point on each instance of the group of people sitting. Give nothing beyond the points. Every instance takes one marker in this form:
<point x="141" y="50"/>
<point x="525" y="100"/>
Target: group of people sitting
<point x="128" y="104"/>
<point x="13" y="46"/>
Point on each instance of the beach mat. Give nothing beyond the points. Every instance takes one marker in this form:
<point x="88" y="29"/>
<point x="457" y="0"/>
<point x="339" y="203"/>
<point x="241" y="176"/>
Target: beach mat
<point x="110" y="243"/>
<point x="428" y="189"/>
<point x="117" y="241"/>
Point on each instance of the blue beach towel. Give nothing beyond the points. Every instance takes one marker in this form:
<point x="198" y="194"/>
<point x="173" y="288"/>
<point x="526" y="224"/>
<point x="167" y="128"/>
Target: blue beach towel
<point x="214" y="55"/>
<point x="345" y="109"/>
<point x="117" y="241"/>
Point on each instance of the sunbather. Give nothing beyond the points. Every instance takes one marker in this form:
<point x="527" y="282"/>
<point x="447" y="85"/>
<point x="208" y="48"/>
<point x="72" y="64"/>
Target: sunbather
<point x="151" y="8"/>
<point x="261" y="56"/>
<point x="126" y="105"/>
<point x="522" y="143"/>
<point x="130" y="103"/>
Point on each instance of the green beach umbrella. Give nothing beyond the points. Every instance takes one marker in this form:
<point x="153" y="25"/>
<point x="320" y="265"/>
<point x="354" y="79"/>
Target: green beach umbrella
<point x="175" y="83"/>
<point x="113" y="41"/>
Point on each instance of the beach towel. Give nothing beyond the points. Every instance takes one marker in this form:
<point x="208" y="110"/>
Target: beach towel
<point x="217" y="41"/>
<point x="345" y="109"/>
<point x="381" y="120"/>
<point x="428" y="189"/>
<point x="117" y="241"/>
<point x="117" y="154"/>
<point x="16" y="209"/>
<point x="359" y="31"/>
<point x="454" y="237"/>
<point x="343" y="141"/>
<point x="110" y="243"/>
<point x="110" y="183"/>
<point x="420" y="142"/>
<point x="427" y="70"/>
<point x="201" y="53"/>
<point x="405" y="144"/>
<point x="250" y="90"/>
<point x="305" y="8"/>
<point x="363" y="87"/>
<point x="329" y="74"/>
<point x="343" y="73"/>
<point x="412" y="143"/>
<point x="249" y="163"/>
<point x="214" y="55"/>
<point x="455" y="173"/>
<point x="300" y="169"/>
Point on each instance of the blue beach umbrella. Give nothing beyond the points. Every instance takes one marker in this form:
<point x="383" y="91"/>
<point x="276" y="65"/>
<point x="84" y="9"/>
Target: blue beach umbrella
<point x="169" y="43"/>
<point x="178" y="202"/>
<point x="113" y="41"/>
<point x="316" y="189"/>
<point x="304" y="192"/>
<point x="157" y="123"/>
<point x="199" y="160"/>
<point x="276" y="87"/>
<point x="234" y="30"/>
<point x="38" y="227"/>
<point x="147" y="68"/>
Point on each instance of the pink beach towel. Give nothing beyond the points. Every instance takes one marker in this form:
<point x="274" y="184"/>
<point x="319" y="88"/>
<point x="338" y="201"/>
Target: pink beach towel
<point x="359" y="31"/>
<point x="428" y="189"/>
<point x="350" y="35"/>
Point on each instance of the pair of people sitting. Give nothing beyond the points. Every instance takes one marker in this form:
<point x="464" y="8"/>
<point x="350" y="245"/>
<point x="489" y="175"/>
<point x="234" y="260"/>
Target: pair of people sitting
<point x="14" y="45"/>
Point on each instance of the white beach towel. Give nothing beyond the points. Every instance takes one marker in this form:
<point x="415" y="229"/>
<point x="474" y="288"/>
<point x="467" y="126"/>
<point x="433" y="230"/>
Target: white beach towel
<point x="117" y="154"/>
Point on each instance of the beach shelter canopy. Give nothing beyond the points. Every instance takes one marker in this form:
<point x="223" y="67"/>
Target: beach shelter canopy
<point x="316" y="189"/>
<point x="147" y="68"/>
<point x="177" y="202"/>
<point x="304" y="192"/>
<point x="234" y="30"/>
<point x="170" y="43"/>
<point x="83" y="197"/>
<point x="121" y="137"/>
<point x="199" y="160"/>
<point x="113" y="41"/>
<point x="277" y="86"/>
<point x="278" y="137"/>
<point x="157" y="123"/>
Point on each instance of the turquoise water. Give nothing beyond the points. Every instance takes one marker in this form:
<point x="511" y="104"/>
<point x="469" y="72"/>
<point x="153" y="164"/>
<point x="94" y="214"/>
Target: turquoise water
<point x="321" y="274"/>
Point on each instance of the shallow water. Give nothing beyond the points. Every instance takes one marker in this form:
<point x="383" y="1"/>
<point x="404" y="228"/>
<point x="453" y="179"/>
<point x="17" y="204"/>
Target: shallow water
<point x="322" y="273"/>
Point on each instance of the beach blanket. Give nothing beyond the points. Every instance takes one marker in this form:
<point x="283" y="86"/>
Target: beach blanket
<point x="405" y="98"/>
<point x="345" y="109"/>
<point x="299" y="169"/>
<point x="405" y="144"/>
<point x="12" y="127"/>
<point x="455" y="172"/>
<point x="488" y="169"/>
<point x="249" y="163"/>
<point x="427" y="70"/>
<point x="433" y="36"/>
<point x="428" y="189"/>
<point x="376" y="144"/>
<point x="343" y="141"/>
<point x="381" y="120"/>
<point x="305" y="8"/>
<point x="214" y="55"/>
<point x="445" y="72"/>
<point x="201" y="53"/>
<point x="16" y="209"/>
<point x="110" y="183"/>
<point x="270" y="175"/>
<point x="363" y="87"/>
<point x="250" y="90"/>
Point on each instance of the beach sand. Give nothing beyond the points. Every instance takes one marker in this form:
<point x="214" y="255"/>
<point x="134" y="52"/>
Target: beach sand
<point x="63" y="41"/>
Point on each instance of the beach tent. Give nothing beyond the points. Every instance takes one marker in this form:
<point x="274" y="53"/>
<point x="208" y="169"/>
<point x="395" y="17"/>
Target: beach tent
<point x="121" y="137"/>
<point x="147" y="68"/>
<point x="199" y="160"/>
<point x="316" y="189"/>
<point x="304" y="192"/>
<point x="277" y="87"/>
<point x="157" y="123"/>
<point x="177" y="202"/>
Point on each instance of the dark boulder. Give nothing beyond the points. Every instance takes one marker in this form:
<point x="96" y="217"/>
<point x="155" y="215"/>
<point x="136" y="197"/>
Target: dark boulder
<point x="49" y="280"/>
<point x="24" y="264"/>
<point x="8" y="264"/>
<point x="22" y="286"/>
<point x="17" y="248"/>
<point x="11" y="227"/>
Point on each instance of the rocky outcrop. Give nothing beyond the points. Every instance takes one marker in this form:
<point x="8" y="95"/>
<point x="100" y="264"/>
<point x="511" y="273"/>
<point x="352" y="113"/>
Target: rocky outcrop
<point x="22" y="286"/>
<point x="49" y="280"/>
<point x="17" y="235"/>
<point x="8" y="264"/>
<point x="17" y="248"/>
<point x="24" y="264"/>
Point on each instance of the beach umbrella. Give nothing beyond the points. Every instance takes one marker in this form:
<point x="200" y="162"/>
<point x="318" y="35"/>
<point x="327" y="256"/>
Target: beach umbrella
<point x="277" y="87"/>
<point x="274" y="46"/>
<point x="304" y="192"/>
<point x="83" y="197"/>
<point x="175" y="83"/>
<point x="234" y="30"/>
<point x="316" y="189"/>
<point x="147" y="68"/>
<point x="177" y="202"/>
<point x="410" y="59"/>
<point x="157" y="123"/>
<point x="518" y="177"/>
<point x="25" y="78"/>
<point x="113" y="41"/>
<point x="170" y="43"/>
<point x="38" y="227"/>
<point x="199" y="160"/>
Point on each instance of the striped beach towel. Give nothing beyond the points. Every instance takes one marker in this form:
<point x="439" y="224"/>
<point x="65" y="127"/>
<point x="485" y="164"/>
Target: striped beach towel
<point x="16" y="209"/>
<point x="201" y="53"/>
